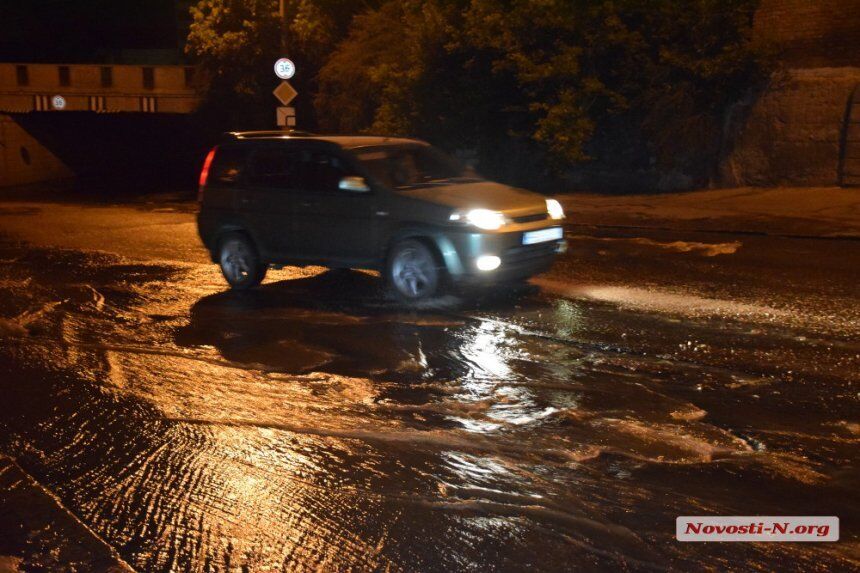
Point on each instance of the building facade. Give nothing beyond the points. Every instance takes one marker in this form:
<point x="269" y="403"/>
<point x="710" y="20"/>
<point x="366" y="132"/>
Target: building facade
<point x="27" y="88"/>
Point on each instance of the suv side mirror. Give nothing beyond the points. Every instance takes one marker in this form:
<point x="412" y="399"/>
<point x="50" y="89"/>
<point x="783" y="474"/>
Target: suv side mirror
<point x="353" y="183"/>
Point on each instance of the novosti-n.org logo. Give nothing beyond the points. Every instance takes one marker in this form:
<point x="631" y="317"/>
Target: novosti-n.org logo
<point x="757" y="528"/>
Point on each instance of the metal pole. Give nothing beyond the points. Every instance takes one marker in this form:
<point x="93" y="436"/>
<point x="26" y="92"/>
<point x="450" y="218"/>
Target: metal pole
<point x="282" y="11"/>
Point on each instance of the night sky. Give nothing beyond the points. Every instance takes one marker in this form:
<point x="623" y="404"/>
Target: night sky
<point x="87" y="30"/>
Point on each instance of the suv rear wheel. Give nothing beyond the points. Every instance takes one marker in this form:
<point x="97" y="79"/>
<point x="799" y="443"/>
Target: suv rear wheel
<point x="412" y="272"/>
<point x="240" y="263"/>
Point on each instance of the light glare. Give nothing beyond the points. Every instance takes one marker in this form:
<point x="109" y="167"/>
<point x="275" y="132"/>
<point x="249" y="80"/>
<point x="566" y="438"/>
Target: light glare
<point x="485" y="219"/>
<point x="488" y="262"/>
<point x="554" y="209"/>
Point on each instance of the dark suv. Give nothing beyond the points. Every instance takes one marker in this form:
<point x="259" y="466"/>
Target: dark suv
<point x="399" y="206"/>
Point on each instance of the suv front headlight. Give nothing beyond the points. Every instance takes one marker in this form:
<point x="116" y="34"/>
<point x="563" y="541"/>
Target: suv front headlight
<point x="554" y="209"/>
<point x="481" y="218"/>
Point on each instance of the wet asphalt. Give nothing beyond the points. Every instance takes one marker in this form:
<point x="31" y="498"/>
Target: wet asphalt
<point x="314" y="424"/>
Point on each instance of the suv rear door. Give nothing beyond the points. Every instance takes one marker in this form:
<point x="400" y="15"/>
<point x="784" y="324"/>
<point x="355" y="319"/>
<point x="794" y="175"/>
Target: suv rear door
<point x="269" y="199"/>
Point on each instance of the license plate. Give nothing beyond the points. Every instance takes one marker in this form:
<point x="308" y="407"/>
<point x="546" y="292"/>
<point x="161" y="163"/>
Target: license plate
<point x="542" y="236"/>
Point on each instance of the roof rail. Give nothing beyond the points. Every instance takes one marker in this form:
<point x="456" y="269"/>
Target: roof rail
<point x="265" y="134"/>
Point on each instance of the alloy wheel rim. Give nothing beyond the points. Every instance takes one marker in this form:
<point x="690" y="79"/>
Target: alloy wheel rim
<point x="412" y="270"/>
<point x="235" y="260"/>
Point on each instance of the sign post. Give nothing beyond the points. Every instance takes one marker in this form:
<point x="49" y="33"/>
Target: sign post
<point x="285" y="93"/>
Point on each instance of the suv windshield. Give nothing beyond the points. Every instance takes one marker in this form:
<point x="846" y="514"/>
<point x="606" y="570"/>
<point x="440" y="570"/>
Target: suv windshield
<point x="410" y="165"/>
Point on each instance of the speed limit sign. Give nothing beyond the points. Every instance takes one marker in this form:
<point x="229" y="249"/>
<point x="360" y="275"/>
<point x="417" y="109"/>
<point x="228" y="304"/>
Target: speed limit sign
<point x="285" y="68"/>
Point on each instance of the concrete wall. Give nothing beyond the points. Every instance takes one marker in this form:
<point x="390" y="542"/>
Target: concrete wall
<point x="792" y="132"/>
<point x="23" y="159"/>
<point x="811" y="33"/>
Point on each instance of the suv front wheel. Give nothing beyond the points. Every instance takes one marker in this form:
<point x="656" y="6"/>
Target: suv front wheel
<point x="412" y="272"/>
<point x="240" y="263"/>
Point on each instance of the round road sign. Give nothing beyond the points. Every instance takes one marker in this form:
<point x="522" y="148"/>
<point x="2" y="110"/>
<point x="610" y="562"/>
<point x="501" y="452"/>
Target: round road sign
<point x="285" y="68"/>
<point x="59" y="102"/>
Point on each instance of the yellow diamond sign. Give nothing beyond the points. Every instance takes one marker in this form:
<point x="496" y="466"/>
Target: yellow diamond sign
<point x="285" y="93"/>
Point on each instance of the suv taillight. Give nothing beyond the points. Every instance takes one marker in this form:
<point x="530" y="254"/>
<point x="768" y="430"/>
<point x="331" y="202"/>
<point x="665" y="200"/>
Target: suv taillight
<point x="204" y="173"/>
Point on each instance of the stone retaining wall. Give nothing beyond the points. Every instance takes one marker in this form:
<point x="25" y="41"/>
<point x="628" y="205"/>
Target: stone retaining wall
<point x="794" y="132"/>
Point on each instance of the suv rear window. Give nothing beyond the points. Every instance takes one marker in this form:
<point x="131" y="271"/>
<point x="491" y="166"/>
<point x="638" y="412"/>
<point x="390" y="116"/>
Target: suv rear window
<point x="320" y="171"/>
<point x="303" y="170"/>
<point x="274" y="167"/>
<point x="228" y="165"/>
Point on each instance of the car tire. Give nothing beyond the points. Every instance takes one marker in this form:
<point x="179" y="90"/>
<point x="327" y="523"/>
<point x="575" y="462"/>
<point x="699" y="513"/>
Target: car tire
<point x="240" y="262"/>
<point x="413" y="273"/>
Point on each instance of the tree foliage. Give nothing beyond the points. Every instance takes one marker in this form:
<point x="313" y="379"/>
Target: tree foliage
<point x="235" y="43"/>
<point x="535" y="82"/>
<point x="553" y="73"/>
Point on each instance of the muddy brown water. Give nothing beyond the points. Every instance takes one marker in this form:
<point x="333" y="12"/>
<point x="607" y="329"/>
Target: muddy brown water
<point x="313" y="424"/>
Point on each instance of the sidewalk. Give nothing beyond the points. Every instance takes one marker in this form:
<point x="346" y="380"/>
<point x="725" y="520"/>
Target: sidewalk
<point x="38" y="533"/>
<point x="791" y="211"/>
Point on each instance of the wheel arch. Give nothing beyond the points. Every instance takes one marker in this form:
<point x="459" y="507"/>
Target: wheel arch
<point x="441" y="247"/>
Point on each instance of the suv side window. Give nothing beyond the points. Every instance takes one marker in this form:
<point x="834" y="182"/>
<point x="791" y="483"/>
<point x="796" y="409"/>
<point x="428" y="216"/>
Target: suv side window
<point x="273" y="167"/>
<point x="228" y="165"/>
<point x="319" y="172"/>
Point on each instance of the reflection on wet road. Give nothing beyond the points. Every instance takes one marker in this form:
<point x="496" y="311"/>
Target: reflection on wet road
<point x="312" y="424"/>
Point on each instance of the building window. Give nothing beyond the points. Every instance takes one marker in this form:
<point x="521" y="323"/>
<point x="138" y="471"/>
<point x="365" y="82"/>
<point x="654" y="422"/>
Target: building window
<point x="107" y="76"/>
<point x="65" y="76"/>
<point x="148" y="78"/>
<point x="189" y="77"/>
<point x="23" y="75"/>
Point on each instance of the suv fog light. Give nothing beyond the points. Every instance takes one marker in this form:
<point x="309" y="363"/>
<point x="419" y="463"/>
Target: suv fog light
<point x="488" y="262"/>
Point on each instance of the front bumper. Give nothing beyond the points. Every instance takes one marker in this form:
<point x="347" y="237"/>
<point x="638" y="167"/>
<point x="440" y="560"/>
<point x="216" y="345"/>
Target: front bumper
<point x="518" y="261"/>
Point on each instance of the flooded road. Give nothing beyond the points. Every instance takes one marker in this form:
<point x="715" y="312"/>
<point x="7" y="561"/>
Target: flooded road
<point x="312" y="424"/>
